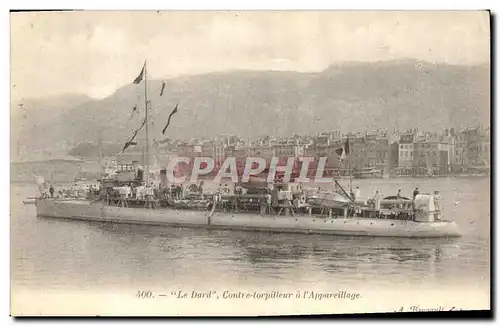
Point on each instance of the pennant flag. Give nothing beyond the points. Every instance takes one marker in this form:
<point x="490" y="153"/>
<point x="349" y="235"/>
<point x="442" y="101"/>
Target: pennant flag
<point x="169" y="117"/>
<point x="141" y="75"/>
<point x="143" y="123"/>
<point x="135" y="132"/>
<point x="127" y="144"/>
<point x="162" y="87"/>
<point x="131" y="141"/>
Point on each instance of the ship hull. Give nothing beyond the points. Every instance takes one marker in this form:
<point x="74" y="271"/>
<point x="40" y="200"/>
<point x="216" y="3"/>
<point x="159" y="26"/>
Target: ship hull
<point x="85" y="210"/>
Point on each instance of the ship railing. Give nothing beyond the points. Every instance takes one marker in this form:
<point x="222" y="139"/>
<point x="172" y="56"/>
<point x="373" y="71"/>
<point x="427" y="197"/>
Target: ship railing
<point x="122" y="201"/>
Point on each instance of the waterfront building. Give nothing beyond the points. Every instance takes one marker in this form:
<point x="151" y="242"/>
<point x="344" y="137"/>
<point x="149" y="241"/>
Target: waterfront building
<point x="405" y="154"/>
<point x="460" y="161"/>
<point x="472" y="150"/>
<point x="430" y="157"/>
<point x="215" y="150"/>
<point x="382" y="156"/>
<point x="393" y="156"/>
<point x="259" y="151"/>
<point x="362" y="152"/>
<point x="479" y="150"/>
<point x="288" y="149"/>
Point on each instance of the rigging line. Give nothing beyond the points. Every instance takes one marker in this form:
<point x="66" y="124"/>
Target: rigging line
<point x="133" y="136"/>
<point x="142" y="125"/>
<point x="137" y="130"/>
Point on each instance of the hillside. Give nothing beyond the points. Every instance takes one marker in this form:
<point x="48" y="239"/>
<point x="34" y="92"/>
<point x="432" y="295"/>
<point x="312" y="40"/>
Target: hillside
<point x="32" y="118"/>
<point x="355" y="96"/>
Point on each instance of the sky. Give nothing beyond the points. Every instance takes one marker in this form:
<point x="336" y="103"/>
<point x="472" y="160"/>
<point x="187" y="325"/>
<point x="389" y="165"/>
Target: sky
<point x="97" y="52"/>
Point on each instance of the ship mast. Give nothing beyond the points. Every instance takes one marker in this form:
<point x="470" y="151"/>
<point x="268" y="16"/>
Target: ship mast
<point x="101" y="154"/>
<point x="146" y="119"/>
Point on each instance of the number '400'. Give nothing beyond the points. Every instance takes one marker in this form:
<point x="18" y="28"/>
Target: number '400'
<point x="144" y="294"/>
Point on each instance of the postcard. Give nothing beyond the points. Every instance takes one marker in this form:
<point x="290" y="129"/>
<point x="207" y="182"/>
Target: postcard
<point x="249" y="163"/>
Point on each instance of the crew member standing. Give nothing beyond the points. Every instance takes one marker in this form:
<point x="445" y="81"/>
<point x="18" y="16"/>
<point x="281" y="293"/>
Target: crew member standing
<point x="51" y="190"/>
<point x="398" y="197"/>
<point x="376" y="199"/>
<point x="415" y="193"/>
<point x="437" y="205"/>
<point x="357" y="193"/>
<point x="269" y="200"/>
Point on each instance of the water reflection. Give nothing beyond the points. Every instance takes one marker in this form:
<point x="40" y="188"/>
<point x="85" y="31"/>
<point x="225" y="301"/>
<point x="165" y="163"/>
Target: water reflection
<point x="260" y="250"/>
<point x="58" y="253"/>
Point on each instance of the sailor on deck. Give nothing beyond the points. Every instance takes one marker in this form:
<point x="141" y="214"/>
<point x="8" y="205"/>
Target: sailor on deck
<point x="268" y="200"/>
<point x="398" y="197"/>
<point x="376" y="199"/>
<point x="415" y="193"/>
<point x="357" y="193"/>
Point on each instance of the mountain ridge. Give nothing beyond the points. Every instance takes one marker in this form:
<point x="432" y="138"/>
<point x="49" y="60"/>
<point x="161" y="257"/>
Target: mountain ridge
<point x="249" y="103"/>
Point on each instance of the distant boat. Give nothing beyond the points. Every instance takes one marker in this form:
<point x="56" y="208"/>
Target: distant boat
<point x="330" y="200"/>
<point x="29" y="201"/>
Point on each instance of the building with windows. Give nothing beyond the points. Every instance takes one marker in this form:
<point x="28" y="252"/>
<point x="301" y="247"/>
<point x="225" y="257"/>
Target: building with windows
<point x="383" y="151"/>
<point x="471" y="150"/>
<point x="288" y="149"/>
<point x="479" y="150"/>
<point x="405" y="153"/>
<point x="460" y="161"/>
<point x="215" y="150"/>
<point x="431" y="157"/>
<point x="260" y="151"/>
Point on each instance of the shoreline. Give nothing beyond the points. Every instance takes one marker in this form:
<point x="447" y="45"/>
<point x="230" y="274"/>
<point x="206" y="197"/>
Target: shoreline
<point x="461" y="176"/>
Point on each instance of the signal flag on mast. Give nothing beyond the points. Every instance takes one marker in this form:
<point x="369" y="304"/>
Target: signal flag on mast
<point x="141" y="75"/>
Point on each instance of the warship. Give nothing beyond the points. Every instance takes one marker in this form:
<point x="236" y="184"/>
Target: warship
<point x="264" y="206"/>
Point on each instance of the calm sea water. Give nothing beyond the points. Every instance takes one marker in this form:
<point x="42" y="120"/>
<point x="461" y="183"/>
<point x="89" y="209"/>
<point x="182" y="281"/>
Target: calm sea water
<point x="51" y="254"/>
